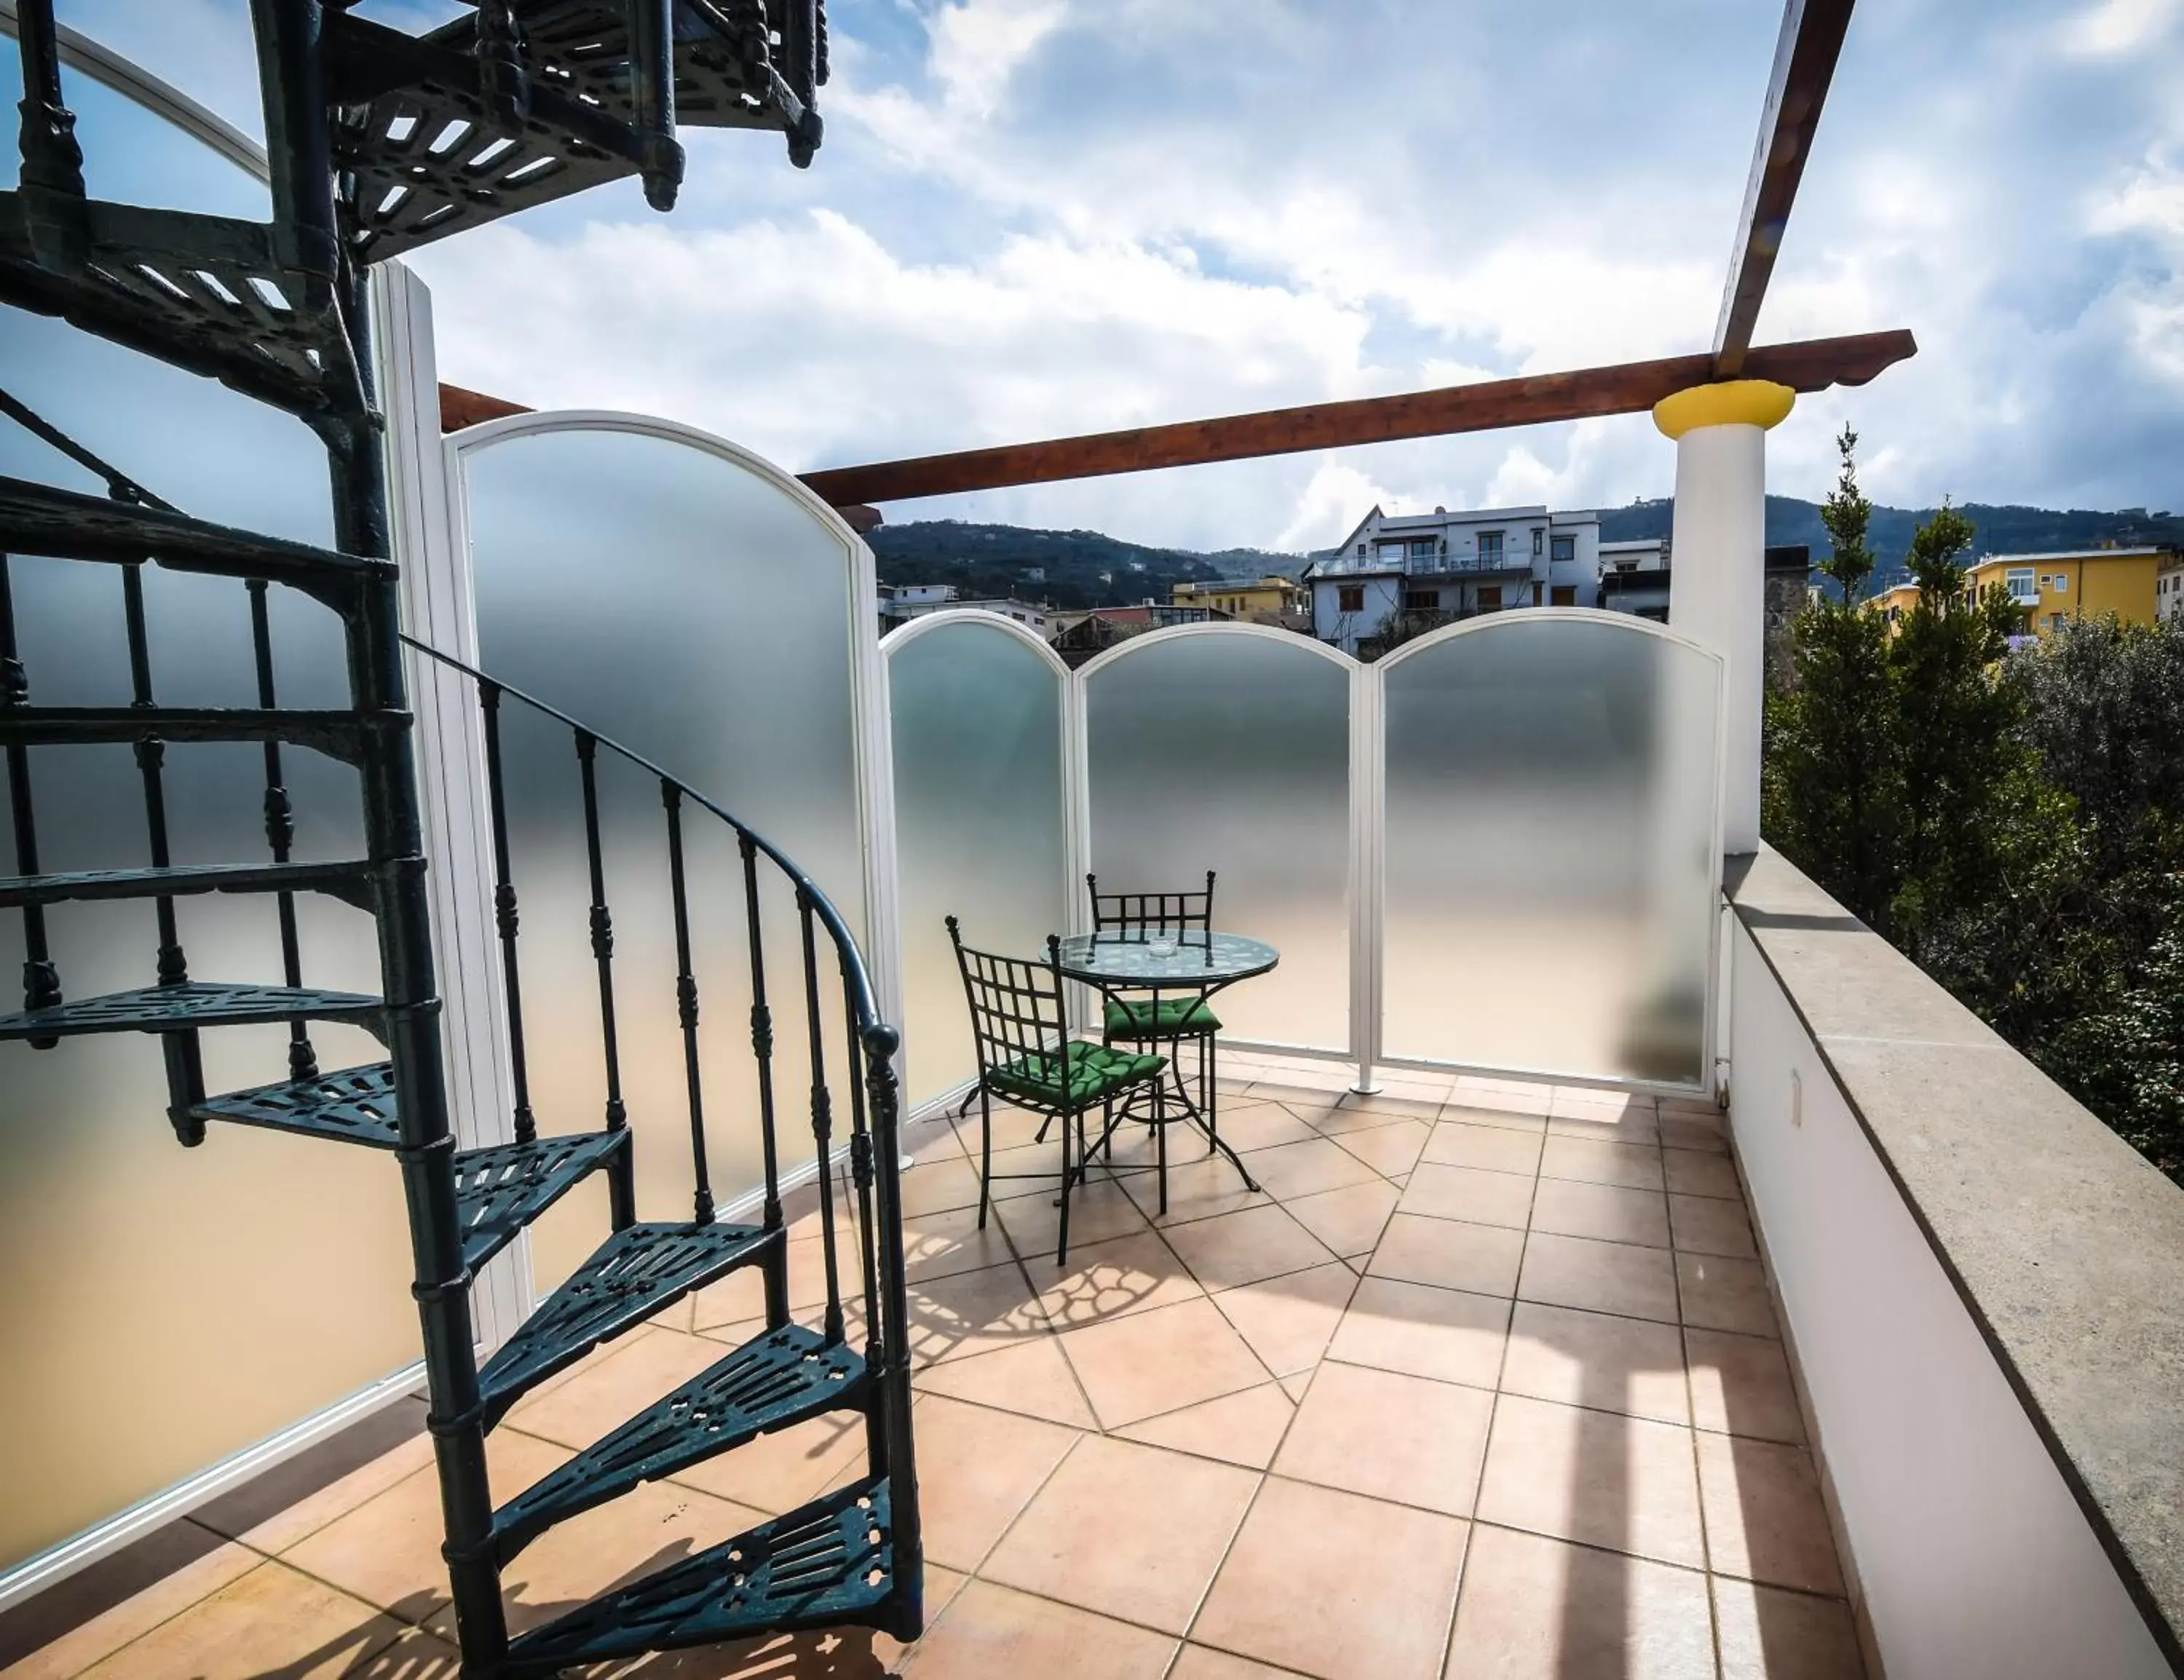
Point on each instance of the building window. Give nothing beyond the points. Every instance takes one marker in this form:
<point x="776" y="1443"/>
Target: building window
<point x="1361" y="551"/>
<point x="1421" y="548"/>
<point x="2054" y="620"/>
<point x="1563" y="594"/>
<point x="1537" y="536"/>
<point x="1563" y="550"/>
<point x="2062" y="584"/>
<point x="1350" y="598"/>
<point x="1489" y="598"/>
<point x="1391" y="554"/>
<point x="1422" y="600"/>
<point x="2020" y="582"/>
<point x="1489" y="547"/>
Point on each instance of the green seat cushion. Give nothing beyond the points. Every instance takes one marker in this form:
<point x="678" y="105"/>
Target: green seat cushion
<point x="1096" y="1073"/>
<point x="1134" y="1017"/>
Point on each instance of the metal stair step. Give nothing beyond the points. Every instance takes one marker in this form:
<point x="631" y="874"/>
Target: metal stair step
<point x="195" y="1004"/>
<point x="828" y="1564"/>
<point x="781" y="1377"/>
<point x="351" y="882"/>
<point x="213" y="294"/>
<point x="66" y="525"/>
<point x="501" y="1188"/>
<point x="340" y="735"/>
<point x="629" y="1277"/>
<point x="356" y="1105"/>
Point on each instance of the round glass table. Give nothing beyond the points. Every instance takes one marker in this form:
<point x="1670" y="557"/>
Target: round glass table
<point x="1189" y="962"/>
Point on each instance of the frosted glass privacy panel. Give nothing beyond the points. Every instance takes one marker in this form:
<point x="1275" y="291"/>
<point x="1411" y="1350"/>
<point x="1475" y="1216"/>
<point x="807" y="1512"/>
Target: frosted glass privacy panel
<point x="1550" y="860"/>
<point x="675" y="600"/>
<point x="979" y="822"/>
<point x="1229" y="750"/>
<point x="167" y="1307"/>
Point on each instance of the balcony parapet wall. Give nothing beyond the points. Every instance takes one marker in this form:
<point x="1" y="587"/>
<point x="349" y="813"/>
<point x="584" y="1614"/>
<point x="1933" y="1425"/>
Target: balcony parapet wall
<point x="1982" y="1283"/>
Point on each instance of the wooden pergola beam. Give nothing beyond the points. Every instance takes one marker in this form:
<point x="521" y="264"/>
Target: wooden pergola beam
<point x="1805" y="57"/>
<point x="1630" y="387"/>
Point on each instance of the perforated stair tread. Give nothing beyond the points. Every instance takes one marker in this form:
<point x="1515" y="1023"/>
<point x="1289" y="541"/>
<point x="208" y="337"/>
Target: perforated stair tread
<point x="356" y="1105"/>
<point x="500" y="1189"/>
<point x="341" y="735"/>
<point x="781" y="1377"/>
<point x="829" y="1564"/>
<point x="349" y="881"/>
<point x="629" y="1277"/>
<point x="195" y="1004"/>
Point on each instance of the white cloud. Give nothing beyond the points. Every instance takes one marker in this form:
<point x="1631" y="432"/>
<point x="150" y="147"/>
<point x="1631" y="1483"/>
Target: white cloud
<point x="2115" y="27"/>
<point x="1337" y="496"/>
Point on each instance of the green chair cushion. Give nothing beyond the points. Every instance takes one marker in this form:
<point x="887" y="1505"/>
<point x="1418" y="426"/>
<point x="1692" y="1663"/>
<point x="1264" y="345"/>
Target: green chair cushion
<point x="1096" y="1073"/>
<point x="1134" y="1017"/>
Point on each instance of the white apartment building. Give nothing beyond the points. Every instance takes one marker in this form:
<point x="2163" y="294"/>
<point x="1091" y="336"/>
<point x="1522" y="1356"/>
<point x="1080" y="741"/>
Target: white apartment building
<point x="1453" y="565"/>
<point x="899" y="602"/>
<point x="2169" y="590"/>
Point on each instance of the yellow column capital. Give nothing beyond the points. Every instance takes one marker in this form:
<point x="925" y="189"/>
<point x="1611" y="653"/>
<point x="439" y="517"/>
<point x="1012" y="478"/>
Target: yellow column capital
<point x="1729" y="402"/>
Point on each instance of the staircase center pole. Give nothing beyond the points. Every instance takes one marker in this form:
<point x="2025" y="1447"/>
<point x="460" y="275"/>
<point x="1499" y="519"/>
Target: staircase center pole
<point x="291" y="45"/>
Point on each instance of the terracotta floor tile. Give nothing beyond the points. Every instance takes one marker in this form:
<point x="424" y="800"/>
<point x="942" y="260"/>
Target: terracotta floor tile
<point x="1353" y="1115"/>
<point x="1242" y="1428"/>
<point x="280" y="1530"/>
<point x="1382" y="1583"/>
<point x="653" y="1526"/>
<point x="1537" y="1609"/>
<point x="1564" y="1208"/>
<point x="109" y="1630"/>
<point x="780" y="1472"/>
<point x="1032" y="1170"/>
<point x="609" y="1395"/>
<point x="1768" y="1634"/>
<point x="1763" y="1517"/>
<point x="936" y="1245"/>
<point x="1305" y="1101"/>
<point x="1244" y="1247"/>
<point x="1405" y="1439"/>
<point x="1423" y="1331"/>
<point x="1511" y="1096"/>
<point x="1349" y="1220"/>
<point x="1199" y="1186"/>
<point x="933" y="1138"/>
<point x="272" y="1620"/>
<point x="1595" y="1102"/>
<point x="1389" y="1149"/>
<point x="1288" y="1320"/>
<point x="1593" y="1477"/>
<point x="968" y="1313"/>
<point x="1203" y="1662"/>
<point x="1639" y="1130"/>
<point x="1109" y="1280"/>
<point x="976" y="1470"/>
<point x="1741" y="1386"/>
<point x="1467" y="1194"/>
<point x="948" y="1181"/>
<point x="1262" y="1126"/>
<point x="1679" y="1132"/>
<point x="416" y="1656"/>
<point x="1691" y="1172"/>
<point x="1634" y="1166"/>
<point x="1306" y="1169"/>
<point x="1701" y="1108"/>
<point x="742" y="1294"/>
<point x="990" y="1631"/>
<point x="1496" y="1148"/>
<point x="1032" y="1377"/>
<point x="1013" y="1128"/>
<point x="1130" y="1531"/>
<point x="1707" y="1226"/>
<point x="387" y="1551"/>
<point x="1591" y="1359"/>
<point x="1157" y="1361"/>
<point x="1724" y="1294"/>
<point x="1575" y="1272"/>
<point x="1483" y="1259"/>
<point x="1098" y="1211"/>
<point x="1510" y="1111"/>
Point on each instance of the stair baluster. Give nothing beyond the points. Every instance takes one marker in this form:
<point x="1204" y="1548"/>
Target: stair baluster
<point x="685" y="1000"/>
<point x="822" y="1119"/>
<point x="279" y="831"/>
<point x="761" y="1024"/>
<point x="42" y="981"/>
<point x="504" y="911"/>
<point x="622" y="1181"/>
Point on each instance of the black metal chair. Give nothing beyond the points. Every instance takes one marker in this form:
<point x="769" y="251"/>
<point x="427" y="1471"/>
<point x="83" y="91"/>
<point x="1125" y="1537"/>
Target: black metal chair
<point x="1163" y="1018"/>
<point x="1019" y="1027"/>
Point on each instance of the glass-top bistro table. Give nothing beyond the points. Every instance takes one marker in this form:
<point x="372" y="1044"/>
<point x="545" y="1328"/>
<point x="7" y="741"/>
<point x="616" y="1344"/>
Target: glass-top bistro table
<point x="1192" y="963"/>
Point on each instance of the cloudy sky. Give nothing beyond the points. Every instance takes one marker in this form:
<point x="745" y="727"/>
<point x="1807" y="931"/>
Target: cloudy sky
<point x="1037" y="217"/>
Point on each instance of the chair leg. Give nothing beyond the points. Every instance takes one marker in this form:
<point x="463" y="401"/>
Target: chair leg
<point x="1209" y="1088"/>
<point x="1062" y="1246"/>
<point x="1159" y="1126"/>
<point x="985" y="1154"/>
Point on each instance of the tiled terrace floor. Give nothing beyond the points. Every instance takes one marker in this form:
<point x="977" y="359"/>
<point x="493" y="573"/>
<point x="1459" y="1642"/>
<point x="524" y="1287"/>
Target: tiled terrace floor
<point x="1485" y="1384"/>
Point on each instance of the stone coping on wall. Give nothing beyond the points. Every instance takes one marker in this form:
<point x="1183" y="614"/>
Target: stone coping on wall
<point x="2066" y="1247"/>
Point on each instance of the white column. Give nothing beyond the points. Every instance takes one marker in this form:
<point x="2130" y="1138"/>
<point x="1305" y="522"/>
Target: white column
<point x="1717" y="576"/>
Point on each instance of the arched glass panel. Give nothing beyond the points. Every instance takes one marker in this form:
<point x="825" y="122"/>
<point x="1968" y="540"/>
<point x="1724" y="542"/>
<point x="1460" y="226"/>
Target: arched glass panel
<point x="1551" y="863"/>
<point x="978" y="804"/>
<point x="1229" y="750"/>
<point x="262" y="1276"/>
<point x="684" y="603"/>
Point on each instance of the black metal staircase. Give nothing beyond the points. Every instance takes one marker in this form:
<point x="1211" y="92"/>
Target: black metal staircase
<point x="379" y="143"/>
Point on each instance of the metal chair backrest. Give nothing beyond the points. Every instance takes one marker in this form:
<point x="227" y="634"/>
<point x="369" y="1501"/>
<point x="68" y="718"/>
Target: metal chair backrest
<point x="1015" y="1004"/>
<point x="1136" y="912"/>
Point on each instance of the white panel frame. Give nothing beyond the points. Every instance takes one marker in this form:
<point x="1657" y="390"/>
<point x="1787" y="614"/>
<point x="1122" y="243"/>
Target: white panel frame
<point x="1074" y="821"/>
<point x="1487" y="624"/>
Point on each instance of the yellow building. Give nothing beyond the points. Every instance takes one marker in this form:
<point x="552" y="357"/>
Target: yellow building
<point x="1245" y="597"/>
<point x="2055" y="588"/>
